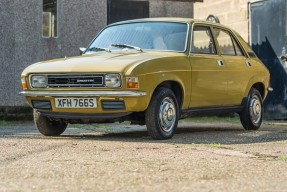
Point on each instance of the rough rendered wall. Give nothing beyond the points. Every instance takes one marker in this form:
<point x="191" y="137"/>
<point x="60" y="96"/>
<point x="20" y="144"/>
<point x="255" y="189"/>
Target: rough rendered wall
<point x="232" y="13"/>
<point x="7" y="45"/>
<point x="165" y="8"/>
<point x="78" y="23"/>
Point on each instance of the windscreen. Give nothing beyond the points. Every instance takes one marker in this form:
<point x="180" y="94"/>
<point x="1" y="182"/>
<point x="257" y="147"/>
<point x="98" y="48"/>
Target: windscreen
<point x="166" y="36"/>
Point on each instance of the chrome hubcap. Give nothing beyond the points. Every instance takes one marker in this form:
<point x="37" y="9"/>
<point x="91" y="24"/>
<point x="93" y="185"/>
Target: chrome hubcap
<point x="167" y="114"/>
<point x="255" y="109"/>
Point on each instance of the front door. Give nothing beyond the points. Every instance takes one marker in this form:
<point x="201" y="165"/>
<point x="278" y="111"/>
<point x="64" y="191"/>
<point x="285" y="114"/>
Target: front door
<point x="209" y="83"/>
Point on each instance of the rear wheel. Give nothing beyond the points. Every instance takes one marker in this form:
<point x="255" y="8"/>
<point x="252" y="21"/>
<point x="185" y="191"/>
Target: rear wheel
<point x="251" y="116"/>
<point x="49" y="127"/>
<point x="162" y="114"/>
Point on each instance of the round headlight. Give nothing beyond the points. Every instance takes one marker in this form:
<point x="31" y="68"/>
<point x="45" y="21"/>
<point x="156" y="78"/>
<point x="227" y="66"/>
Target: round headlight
<point x="38" y="81"/>
<point x="113" y="80"/>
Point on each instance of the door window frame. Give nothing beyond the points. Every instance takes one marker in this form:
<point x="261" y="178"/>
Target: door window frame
<point x="212" y="37"/>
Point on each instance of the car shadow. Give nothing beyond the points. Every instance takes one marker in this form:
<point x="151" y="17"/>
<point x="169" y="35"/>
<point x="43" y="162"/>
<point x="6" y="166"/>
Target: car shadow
<point x="189" y="133"/>
<point x="194" y="135"/>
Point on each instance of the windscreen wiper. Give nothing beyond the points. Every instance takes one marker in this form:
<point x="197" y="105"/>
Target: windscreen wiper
<point x="127" y="46"/>
<point x="98" y="49"/>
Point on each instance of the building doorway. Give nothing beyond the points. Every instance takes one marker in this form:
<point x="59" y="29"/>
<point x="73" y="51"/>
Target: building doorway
<point x="120" y="10"/>
<point x="268" y="38"/>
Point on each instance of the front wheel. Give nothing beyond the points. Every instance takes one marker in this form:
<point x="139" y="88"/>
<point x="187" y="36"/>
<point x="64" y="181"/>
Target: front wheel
<point x="251" y="116"/>
<point x="162" y="114"/>
<point x="48" y="127"/>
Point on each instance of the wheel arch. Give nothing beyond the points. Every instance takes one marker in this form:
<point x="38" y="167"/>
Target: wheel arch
<point x="261" y="88"/>
<point x="177" y="89"/>
<point x="258" y="83"/>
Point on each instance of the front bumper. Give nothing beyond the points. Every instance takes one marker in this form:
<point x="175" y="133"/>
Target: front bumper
<point x="83" y="93"/>
<point x="107" y="101"/>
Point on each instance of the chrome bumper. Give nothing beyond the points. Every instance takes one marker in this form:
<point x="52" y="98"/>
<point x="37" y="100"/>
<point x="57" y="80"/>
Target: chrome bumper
<point x="83" y="93"/>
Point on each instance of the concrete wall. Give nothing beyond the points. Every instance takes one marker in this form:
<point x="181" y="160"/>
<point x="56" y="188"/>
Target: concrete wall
<point x="232" y="13"/>
<point x="21" y="41"/>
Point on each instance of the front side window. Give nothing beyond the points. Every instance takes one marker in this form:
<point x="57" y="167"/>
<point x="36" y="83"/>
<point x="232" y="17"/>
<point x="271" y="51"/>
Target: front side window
<point x="202" y="41"/>
<point x="166" y="36"/>
<point x="49" y="27"/>
<point x="225" y="42"/>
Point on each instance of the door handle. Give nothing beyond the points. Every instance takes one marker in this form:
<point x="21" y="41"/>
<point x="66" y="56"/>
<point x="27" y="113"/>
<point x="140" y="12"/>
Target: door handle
<point x="220" y="63"/>
<point x="248" y="64"/>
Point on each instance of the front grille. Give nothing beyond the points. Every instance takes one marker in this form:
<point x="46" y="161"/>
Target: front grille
<point x="78" y="81"/>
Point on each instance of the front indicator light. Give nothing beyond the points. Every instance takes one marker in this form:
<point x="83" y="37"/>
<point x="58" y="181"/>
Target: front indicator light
<point x="132" y="82"/>
<point x="24" y="84"/>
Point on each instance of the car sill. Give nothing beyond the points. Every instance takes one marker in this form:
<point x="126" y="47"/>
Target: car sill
<point x="211" y="111"/>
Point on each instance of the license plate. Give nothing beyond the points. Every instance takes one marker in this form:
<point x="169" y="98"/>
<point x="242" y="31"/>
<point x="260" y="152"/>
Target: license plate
<point x="75" y="103"/>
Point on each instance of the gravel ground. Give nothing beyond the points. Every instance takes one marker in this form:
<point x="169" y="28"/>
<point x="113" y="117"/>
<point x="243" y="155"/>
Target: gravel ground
<point x="119" y="157"/>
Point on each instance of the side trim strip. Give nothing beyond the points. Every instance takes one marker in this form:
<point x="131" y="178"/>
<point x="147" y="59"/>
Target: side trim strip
<point x="83" y="93"/>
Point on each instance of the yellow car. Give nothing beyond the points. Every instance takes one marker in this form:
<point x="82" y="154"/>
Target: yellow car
<point x="150" y="71"/>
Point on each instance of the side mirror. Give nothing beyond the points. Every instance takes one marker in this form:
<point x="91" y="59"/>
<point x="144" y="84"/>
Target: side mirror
<point x="82" y="50"/>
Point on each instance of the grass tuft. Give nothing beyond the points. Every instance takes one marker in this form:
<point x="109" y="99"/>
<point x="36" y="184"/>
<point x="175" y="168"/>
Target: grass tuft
<point x="214" y="145"/>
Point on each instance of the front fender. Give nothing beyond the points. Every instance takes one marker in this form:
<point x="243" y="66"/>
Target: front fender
<point x="167" y="77"/>
<point x="155" y="72"/>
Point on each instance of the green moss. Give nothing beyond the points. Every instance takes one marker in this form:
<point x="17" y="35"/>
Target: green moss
<point x="207" y="177"/>
<point x="282" y="158"/>
<point x="7" y="123"/>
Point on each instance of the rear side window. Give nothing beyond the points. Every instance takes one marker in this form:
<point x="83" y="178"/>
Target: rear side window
<point x="202" y="42"/>
<point x="237" y="48"/>
<point x="227" y="43"/>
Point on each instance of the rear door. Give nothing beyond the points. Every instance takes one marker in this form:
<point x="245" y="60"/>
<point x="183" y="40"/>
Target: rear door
<point x="208" y="71"/>
<point x="238" y="67"/>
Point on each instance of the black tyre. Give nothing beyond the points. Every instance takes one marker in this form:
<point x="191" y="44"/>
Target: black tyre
<point x="48" y="127"/>
<point x="162" y="114"/>
<point x="251" y="116"/>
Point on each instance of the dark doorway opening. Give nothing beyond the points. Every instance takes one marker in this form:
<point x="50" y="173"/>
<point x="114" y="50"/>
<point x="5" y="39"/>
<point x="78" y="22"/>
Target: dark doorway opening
<point x="269" y="42"/>
<point x="120" y="10"/>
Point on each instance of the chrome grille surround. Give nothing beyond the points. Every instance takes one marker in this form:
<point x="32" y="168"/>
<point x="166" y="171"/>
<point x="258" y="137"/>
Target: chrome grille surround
<point x="76" y="81"/>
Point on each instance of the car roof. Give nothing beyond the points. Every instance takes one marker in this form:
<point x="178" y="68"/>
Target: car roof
<point x="168" y="19"/>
